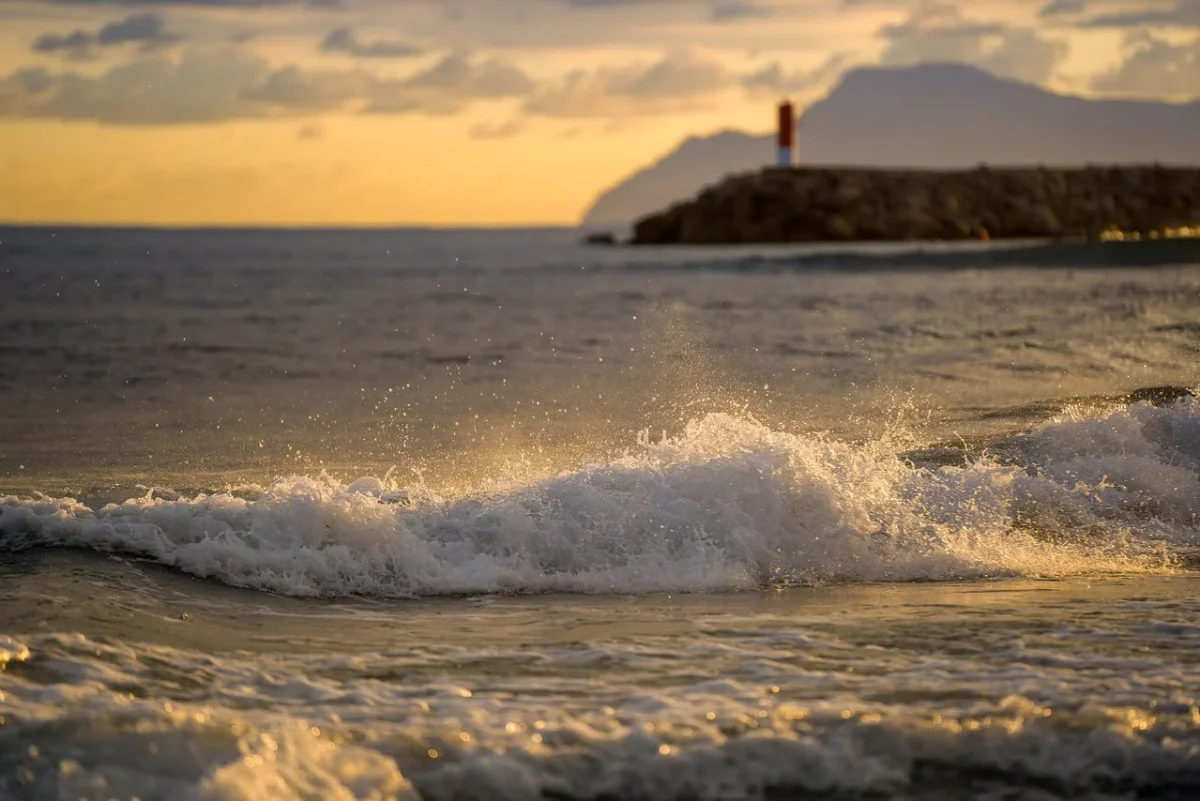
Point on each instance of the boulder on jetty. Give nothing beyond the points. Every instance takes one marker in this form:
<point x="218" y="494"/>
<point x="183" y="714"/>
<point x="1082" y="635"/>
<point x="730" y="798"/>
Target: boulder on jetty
<point x="848" y="204"/>
<point x="600" y="238"/>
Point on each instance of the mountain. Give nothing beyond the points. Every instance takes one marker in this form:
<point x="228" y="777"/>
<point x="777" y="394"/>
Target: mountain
<point x="695" y="163"/>
<point x="932" y="116"/>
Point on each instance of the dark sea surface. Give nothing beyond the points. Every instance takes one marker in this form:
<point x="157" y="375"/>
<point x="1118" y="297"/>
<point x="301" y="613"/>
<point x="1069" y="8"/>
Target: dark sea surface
<point x="464" y="514"/>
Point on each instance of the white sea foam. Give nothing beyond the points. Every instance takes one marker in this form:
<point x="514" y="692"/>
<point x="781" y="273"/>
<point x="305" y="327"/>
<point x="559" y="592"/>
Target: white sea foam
<point x="12" y="650"/>
<point x="727" y="505"/>
<point x="707" y="740"/>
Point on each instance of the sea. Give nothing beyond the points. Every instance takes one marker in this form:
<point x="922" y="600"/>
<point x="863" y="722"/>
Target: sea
<point x="476" y="515"/>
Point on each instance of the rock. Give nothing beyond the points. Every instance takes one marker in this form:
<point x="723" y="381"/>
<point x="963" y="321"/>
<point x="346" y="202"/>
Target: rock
<point x="600" y="238"/>
<point x="816" y="205"/>
<point x="840" y="228"/>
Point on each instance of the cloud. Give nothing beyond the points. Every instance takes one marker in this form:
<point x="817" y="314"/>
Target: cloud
<point x="202" y="3"/>
<point x="448" y="86"/>
<point x="1154" y="67"/>
<point x="292" y="89"/>
<point x="735" y="10"/>
<point x="939" y="33"/>
<point x="147" y="91"/>
<point x="345" y="40"/>
<point x="214" y="85"/>
<point x="77" y="44"/>
<point x="898" y="4"/>
<point x="503" y="130"/>
<point x="936" y="26"/>
<point x="720" y="11"/>
<point x="774" y="80"/>
<point x="202" y="86"/>
<point x="611" y="3"/>
<point x="679" y="82"/>
<point x="147" y="29"/>
<point x="1059" y="8"/>
<point x="1185" y="13"/>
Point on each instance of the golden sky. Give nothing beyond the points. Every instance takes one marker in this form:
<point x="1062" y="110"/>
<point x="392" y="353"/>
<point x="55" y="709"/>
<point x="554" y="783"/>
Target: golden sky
<point x="487" y="112"/>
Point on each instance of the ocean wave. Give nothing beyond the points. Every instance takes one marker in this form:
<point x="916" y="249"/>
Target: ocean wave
<point x="729" y="504"/>
<point x="717" y="740"/>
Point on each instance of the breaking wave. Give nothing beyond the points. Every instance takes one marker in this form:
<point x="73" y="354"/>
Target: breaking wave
<point x="727" y="505"/>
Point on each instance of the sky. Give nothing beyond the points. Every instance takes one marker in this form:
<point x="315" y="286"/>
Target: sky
<point x="476" y="112"/>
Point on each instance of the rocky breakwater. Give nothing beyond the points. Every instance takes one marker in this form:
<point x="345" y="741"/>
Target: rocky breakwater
<point x="842" y="205"/>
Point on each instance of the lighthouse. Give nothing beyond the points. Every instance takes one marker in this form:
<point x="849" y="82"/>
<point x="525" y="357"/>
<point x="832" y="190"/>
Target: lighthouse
<point x="787" y="133"/>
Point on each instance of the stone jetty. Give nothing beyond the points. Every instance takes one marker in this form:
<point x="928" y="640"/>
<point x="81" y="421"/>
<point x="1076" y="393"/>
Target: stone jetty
<point x="779" y="205"/>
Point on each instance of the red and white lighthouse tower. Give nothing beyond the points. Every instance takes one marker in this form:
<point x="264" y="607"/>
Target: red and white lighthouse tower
<point x="787" y="133"/>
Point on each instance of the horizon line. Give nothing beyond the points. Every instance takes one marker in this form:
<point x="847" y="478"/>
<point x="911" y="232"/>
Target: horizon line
<point x="286" y="226"/>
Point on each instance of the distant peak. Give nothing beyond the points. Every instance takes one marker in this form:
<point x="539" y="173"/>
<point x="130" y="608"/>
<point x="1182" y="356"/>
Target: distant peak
<point x="925" y="72"/>
<point x="924" y="68"/>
